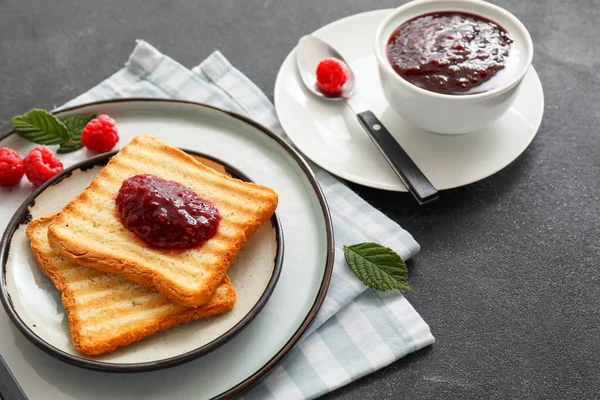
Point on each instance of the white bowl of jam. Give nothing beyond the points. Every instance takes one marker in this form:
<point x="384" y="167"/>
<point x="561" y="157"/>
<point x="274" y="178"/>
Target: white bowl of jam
<point x="451" y="66"/>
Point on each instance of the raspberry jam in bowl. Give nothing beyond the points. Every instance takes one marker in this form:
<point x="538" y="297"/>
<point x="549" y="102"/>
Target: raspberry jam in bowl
<point x="166" y="214"/>
<point x="451" y="66"/>
<point x="453" y="53"/>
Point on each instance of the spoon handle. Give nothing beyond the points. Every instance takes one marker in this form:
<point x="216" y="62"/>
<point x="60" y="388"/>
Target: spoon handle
<point x="408" y="172"/>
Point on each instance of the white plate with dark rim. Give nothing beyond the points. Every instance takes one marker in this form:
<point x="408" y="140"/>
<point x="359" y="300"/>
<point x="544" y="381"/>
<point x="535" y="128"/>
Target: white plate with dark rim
<point x="262" y="338"/>
<point x="329" y="135"/>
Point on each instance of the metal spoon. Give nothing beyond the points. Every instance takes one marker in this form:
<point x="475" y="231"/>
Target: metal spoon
<point x="310" y="52"/>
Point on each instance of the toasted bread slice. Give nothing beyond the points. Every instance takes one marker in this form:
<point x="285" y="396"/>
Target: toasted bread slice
<point x="88" y="230"/>
<point x="107" y="310"/>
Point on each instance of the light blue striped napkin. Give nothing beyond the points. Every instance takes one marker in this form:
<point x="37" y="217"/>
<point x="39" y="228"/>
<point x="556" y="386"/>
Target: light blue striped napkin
<point x="357" y="331"/>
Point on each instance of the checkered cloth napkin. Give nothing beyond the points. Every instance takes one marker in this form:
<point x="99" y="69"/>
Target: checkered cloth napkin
<point x="357" y="331"/>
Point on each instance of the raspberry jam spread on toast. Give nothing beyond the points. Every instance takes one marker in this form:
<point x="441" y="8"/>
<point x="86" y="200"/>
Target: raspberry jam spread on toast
<point x="166" y="214"/>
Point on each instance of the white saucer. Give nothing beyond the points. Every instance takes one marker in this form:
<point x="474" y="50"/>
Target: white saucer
<point x="329" y="135"/>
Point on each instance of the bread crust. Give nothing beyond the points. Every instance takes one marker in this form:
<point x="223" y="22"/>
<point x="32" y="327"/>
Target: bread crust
<point x="255" y="203"/>
<point x="97" y="344"/>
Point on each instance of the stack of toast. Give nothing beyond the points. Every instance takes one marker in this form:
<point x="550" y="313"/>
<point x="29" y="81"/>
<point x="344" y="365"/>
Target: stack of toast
<point x="115" y="288"/>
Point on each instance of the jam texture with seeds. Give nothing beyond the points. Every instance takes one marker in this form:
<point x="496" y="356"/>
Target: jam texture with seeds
<point x="166" y="214"/>
<point x="451" y="52"/>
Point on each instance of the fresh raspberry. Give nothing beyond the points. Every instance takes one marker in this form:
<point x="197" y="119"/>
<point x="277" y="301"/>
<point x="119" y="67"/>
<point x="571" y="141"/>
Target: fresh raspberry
<point x="331" y="75"/>
<point x="11" y="167"/>
<point x="7" y="151"/>
<point x="100" y="134"/>
<point x="41" y="165"/>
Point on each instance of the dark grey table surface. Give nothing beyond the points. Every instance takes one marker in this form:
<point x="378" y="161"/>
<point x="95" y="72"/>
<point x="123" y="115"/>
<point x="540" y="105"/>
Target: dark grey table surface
<point x="508" y="276"/>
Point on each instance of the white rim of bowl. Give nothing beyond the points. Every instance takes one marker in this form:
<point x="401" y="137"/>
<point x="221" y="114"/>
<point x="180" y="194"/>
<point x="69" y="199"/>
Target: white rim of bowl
<point x="384" y="62"/>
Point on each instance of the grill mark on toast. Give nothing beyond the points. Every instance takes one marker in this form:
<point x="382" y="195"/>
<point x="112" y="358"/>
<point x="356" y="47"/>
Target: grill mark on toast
<point x="112" y="289"/>
<point x="149" y="303"/>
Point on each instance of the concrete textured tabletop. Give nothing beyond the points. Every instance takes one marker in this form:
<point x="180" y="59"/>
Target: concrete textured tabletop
<point x="509" y="273"/>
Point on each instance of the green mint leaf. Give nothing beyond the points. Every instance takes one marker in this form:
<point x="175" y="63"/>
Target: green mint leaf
<point x="75" y="125"/>
<point x="41" y="127"/>
<point x="377" y="266"/>
<point x="69" y="146"/>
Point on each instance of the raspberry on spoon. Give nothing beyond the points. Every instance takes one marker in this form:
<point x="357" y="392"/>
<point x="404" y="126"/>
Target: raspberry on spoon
<point x="332" y="74"/>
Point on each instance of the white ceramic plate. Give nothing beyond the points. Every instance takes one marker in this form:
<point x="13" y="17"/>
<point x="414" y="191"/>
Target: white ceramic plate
<point x="328" y="133"/>
<point x="307" y="260"/>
